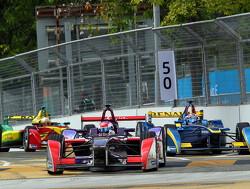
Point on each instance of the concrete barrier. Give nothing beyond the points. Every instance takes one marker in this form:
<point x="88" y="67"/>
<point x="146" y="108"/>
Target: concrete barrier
<point x="230" y="115"/>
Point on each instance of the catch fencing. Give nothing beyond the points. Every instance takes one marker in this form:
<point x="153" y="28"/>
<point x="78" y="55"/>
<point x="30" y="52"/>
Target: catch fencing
<point x="212" y="65"/>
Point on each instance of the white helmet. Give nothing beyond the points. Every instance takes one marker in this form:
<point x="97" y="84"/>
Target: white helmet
<point x="45" y="121"/>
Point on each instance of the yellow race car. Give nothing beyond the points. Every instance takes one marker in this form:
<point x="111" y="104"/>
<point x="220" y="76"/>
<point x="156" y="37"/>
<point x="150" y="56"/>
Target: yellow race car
<point x="33" y="137"/>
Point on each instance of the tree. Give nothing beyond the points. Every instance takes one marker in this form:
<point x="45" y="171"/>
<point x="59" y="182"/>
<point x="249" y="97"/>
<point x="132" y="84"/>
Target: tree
<point x="18" y="22"/>
<point x="18" y="25"/>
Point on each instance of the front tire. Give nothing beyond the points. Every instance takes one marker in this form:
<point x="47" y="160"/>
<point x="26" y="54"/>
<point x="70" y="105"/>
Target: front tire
<point x="26" y="139"/>
<point x="61" y="139"/>
<point x="164" y="146"/>
<point x="216" y="151"/>
<point x="56" y="173"/>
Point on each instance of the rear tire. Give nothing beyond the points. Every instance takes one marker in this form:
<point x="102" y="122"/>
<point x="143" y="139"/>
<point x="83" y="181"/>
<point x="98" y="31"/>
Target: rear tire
<point x="26" y="137"/>
<point x="239" y="136"/>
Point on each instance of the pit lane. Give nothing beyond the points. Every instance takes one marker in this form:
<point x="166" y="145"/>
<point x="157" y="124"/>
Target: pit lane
<point x="27" y="169"/>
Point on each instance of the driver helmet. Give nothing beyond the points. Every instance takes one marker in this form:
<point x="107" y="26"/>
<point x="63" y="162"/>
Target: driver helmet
<point x="106" y="127"/>
<point x="191" y="118"/>
<point x="45" y="121"/>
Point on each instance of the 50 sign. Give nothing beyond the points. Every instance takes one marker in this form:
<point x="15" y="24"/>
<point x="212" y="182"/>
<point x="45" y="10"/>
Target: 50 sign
<point x="167" y="80"/>
<point x="167" y="74"/>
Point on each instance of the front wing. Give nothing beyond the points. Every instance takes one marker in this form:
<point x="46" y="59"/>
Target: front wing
<point x="100" y="156"/>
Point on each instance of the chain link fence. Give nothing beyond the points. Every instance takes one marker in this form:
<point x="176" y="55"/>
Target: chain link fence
<point x="212" y="65"/>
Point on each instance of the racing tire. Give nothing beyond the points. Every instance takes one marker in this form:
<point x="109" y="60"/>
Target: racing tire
<point x="216" y="151"/>
<point x="157" y="156"/>
<point x="26" y="139"/>
<point x="164" y="146"/>
<point x="151" y="134"/>
<point x="139" y="132"/>
<point x="170" y="126"/>
<point x="2" y="149"/>
<point x="56" y="173"/>
<point x="61" y="139"/>
<point x="239" y="136"/>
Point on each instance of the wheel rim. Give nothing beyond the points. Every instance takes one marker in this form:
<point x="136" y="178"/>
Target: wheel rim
<point x="25" y="139"/>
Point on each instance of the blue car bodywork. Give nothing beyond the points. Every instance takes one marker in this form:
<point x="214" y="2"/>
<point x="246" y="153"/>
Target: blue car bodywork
<point x="200" y="134"/>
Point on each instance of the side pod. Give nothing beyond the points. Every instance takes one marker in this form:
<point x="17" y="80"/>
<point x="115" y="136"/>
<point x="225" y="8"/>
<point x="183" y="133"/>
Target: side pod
<point x="34" y="139"/>
<point x="173" y="141"/>
<point x="149" y="154"/>
<point x="53" y="154"/>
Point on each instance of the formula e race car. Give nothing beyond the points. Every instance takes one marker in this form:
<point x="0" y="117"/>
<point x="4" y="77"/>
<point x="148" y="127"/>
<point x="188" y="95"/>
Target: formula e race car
<point x="31" y="138"/>
<point x="107" y="147"/>
<point x="196" y="133"/>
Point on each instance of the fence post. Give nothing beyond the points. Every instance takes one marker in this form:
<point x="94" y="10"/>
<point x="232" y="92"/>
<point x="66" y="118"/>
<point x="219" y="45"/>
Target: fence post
<point x="1" y="101"/>
<point x="104" y="96"/>
<point x="156" y="10"/>
<point x="138" y="73"/>
<point x="241" y="68"/>
<point x="69" y="89"/>
<point x="206" y="76"/>
<point x="33" y="89"/>
<point x="62" y="92"/>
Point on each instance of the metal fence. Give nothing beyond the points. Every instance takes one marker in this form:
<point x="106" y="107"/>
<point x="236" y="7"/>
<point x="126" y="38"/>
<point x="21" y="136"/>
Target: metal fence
<point x="212" y="64"/>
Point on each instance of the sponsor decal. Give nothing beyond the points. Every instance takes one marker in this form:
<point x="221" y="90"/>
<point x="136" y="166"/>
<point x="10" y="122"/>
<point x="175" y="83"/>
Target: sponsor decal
<point x="33" y="146"/>
<point x="153" y="163"/>
<point x="50" y="165"/>
<point x="21" y="117"/>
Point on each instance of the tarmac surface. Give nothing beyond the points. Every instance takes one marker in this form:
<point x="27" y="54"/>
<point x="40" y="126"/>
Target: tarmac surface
<point x="19" y="169"/>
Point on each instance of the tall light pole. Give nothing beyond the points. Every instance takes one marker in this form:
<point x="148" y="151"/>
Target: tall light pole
<point x="156" y="10"/>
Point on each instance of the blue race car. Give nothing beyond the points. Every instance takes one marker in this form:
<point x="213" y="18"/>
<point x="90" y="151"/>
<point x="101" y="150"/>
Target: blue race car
<point x="196" y="133"/>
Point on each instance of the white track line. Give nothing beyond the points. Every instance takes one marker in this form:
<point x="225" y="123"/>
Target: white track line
<point x="6" y="163"/>
<point x="184" y="159"/>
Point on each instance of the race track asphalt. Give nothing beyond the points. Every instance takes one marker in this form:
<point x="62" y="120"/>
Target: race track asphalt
<point x="19" y="169"/>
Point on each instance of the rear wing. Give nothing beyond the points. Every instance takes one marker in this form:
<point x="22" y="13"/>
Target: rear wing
<point x="17" y="118"/>
<point x="169" y="114"/>
<point x="117" y="118"/>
